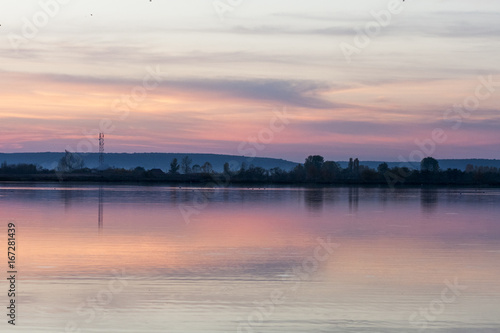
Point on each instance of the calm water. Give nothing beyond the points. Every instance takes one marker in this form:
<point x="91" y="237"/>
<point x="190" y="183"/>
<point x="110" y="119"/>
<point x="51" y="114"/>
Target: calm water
<point x="163" y="259"/>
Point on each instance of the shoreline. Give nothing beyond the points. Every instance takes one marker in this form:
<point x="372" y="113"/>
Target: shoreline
<point x="219" y="180"/>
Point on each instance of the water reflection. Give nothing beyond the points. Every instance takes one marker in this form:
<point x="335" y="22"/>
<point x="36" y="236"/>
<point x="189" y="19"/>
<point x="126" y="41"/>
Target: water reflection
<point x="353" y="199"/>
<point x="67" y="198"/>
<point x="100" y="209"/>
<point x="429" y="199"/>
<point x="314" y="198"/>
<point x="243" y="245"/>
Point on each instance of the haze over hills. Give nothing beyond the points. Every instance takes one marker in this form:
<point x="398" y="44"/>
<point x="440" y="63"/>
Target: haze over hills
<point x="148" y="160"/>
<point x="162" y="161"/>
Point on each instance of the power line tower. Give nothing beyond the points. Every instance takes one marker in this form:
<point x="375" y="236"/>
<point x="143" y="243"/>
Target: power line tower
<point x="101" y="149"/>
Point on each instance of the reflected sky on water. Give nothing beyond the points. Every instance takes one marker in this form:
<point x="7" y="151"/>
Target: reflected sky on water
<point x="395" y="252"/>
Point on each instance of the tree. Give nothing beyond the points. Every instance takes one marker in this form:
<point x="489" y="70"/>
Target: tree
<point x="196" y="168"/>
<point x="329" y="171"/>
<point x="20" y="168"/>
<point x="313" y="166"/>
<point x="382" y="168"/>
<point x="174" y="167"/>
<point x="186" y="164"/>
<point x="207" y="167"/>
<point x="278" y="174"/>
<point x="139" y="170"/>
<point x="70" y="162"/>
<point x="350" y="167"/>
<point x="243" y="167"/>
<point x="429" y="164"/>
<point x="367" y="175"/>
<point x="227" y="169"/>
<point x="356" y="166"/>
<point x="298" y="174"/>
<point x="352" y="171"/>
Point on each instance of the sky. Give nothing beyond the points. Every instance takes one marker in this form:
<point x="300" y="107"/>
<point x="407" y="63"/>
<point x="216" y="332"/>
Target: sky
<point x="373" y="79"/>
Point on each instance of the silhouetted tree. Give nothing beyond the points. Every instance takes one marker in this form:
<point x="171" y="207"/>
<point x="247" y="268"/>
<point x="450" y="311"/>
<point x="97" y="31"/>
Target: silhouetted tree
<point x="227" y="169"/>
<point x="382" y="168"/>
<point x="243" y="167"/>
<point x="186" y="164"/>
<point x="356" y="166"/>
<point x="254" y="173"/>
<point x="367" y="175"/>
<point x="298" y="174"/>
<point x="20" y="169"/>
<point x="329" y="171"/>
<point x="313" y="166"/>
<point x="174" y="167"/>
<point x="207" y="167"/>
<point x="139" y="171"/>
<point x="350" y="167"/>
<point x="429" y="164"/>
<point x="196" y="168"/>
<point x="278" y="175"/>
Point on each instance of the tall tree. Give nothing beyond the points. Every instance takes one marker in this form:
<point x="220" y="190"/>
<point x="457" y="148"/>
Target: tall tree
<point x="356" y="165"/>
<point x="313" y="166"/>
<point x="186" y="164"/>
<point x="298" y="174"/>
<point x="174" y="167"/>
<point x="350" y="167"/>
<point x="227" y="169"/>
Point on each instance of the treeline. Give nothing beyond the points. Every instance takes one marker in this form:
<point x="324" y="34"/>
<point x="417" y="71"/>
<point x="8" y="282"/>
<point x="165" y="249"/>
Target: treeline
<point x="314" y="170"/>
<point x="19" y="169"/>
<point x="318" y="171"/>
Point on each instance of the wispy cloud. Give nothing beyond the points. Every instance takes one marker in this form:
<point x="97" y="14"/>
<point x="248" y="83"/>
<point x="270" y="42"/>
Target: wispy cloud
<point x="299" y="93"/>
<point x="221" y="77"/>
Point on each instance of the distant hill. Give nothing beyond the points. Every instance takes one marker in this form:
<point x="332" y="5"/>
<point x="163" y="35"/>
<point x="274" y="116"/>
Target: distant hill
<point x="147" y="160"/>
<point x="162" y="161"/>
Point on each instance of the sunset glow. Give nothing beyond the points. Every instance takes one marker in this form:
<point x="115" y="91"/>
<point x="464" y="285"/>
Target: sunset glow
<point x="196" y="83"/>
